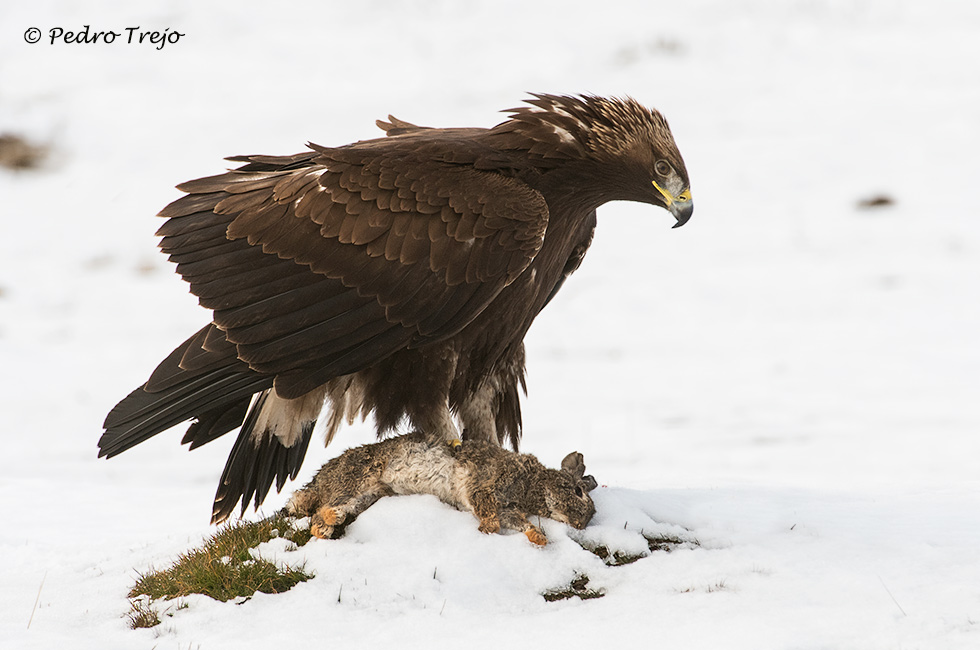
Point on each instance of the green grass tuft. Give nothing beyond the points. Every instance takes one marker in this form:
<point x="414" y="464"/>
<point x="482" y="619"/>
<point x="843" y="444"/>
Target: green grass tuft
<point x="141" y="614"/>
<point x="223" y="568"/>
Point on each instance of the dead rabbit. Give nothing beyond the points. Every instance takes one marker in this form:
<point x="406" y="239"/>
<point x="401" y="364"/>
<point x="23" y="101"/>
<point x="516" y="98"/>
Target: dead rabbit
<point x="501" y="488"/>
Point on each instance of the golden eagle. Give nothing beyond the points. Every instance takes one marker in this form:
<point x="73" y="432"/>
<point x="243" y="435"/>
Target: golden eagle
<point x="395" y="276"/>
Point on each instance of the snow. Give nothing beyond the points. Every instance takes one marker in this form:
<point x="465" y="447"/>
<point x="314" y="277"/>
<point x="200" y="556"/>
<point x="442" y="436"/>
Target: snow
<point x="788" y="379"/>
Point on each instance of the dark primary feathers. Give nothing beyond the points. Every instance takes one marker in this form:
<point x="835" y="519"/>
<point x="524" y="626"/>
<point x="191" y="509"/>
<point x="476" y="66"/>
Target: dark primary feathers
<point x="394" y="277"/>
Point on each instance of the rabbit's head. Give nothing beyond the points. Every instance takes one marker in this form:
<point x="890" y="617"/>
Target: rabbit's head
<point x="567" y="493"/>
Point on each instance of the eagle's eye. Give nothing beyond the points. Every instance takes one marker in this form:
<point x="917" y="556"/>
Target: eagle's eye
<point x="578" y="491"/>
<point x="663" y="168"/>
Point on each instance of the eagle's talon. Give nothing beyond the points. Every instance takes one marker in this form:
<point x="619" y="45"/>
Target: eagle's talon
<point x="454" y="444"/>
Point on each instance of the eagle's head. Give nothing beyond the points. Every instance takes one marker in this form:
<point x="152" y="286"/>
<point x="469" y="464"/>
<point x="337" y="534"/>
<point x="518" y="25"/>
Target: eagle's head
<point x="625" y="147"/>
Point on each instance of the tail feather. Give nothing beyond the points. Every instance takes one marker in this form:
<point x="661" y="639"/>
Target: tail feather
<point x="142" y="415"/>
<point x="215" y="423"/>
<point x="258" y="457"/>
<point x="204" y="380"/>
<point x="201" y="379"/>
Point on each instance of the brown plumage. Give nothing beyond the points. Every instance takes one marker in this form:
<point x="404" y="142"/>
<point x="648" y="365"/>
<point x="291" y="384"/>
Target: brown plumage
<point x="395" y="277"/>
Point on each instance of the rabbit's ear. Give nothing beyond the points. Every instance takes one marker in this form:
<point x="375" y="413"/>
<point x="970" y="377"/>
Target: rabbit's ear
<point x="574" y="464"/>
<point x="589" y="483"/>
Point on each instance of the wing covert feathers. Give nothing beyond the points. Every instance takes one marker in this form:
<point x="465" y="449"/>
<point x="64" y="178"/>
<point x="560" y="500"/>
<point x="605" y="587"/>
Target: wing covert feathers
<point x="323" y="263"/>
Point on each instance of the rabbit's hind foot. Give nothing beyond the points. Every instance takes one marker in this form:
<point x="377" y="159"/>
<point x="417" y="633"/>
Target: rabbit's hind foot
<point x="329" y="515"/>
<point x="321" y="532"/>
<point x="324" y="521"/>
<point x="489" y="525"/>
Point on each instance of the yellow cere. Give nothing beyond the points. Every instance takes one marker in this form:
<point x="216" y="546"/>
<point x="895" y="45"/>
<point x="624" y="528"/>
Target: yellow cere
<point x="680" y="198"/>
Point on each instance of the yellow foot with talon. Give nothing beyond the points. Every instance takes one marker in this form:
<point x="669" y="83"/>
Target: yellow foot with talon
<point x="454" y="444"/>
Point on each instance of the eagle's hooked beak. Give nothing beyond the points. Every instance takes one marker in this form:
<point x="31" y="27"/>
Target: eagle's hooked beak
<point x="681" y="206"/>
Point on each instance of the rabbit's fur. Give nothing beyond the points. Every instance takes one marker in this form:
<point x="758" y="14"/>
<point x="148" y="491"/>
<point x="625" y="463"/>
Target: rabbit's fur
<point x="501" y="488"/>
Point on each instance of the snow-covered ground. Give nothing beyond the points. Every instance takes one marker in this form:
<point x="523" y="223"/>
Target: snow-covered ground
<point x="790" y="378"/>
